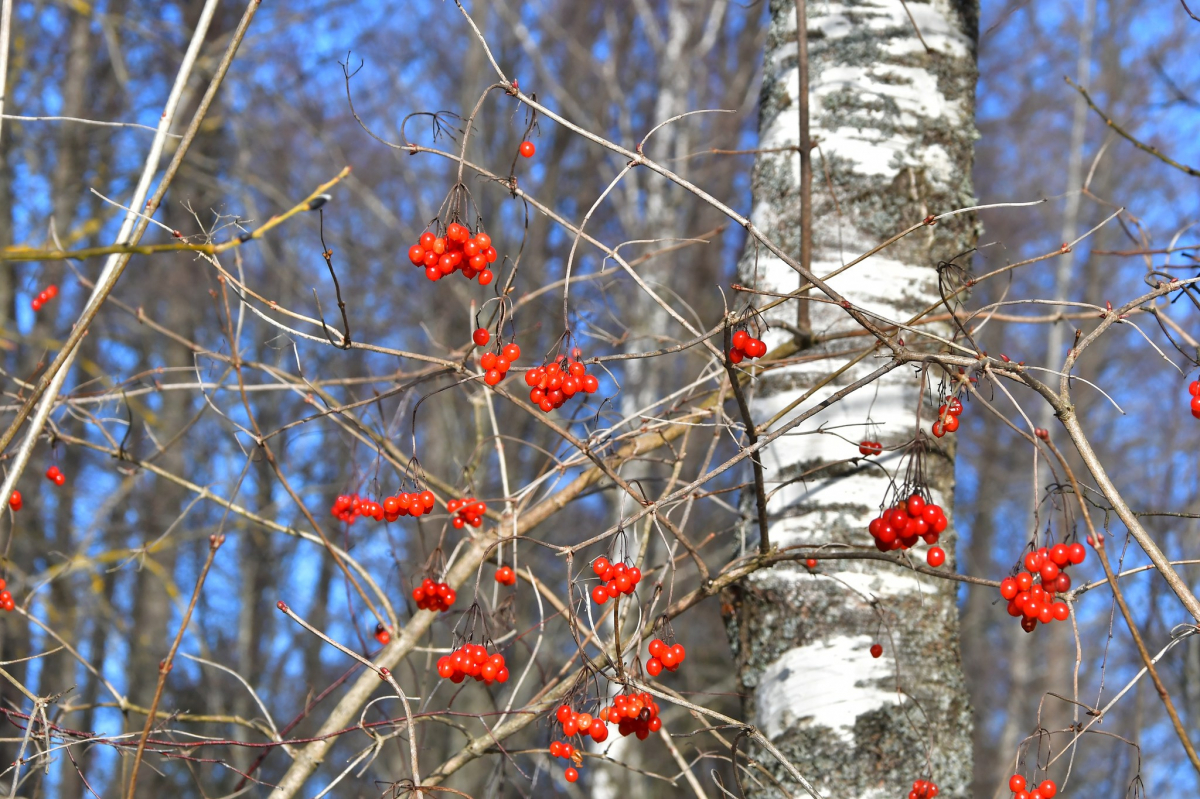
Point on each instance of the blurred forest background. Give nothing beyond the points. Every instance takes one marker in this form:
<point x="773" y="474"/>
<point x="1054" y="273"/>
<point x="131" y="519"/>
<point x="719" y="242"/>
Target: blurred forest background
<point x="110" y="557"/>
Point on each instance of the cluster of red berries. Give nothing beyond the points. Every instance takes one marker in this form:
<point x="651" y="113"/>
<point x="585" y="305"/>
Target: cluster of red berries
<point x="618" y="579"/>
<point x="901" y="526"/>
<point x="947" y="418"/>
<point x="472" y="660"/>
<point x="466" y="511"/>
<point x="923" y="789"/>
<point x="581" y="724"/>
<point x="1034" y="602"/>
<point x="55" y="475"/>
<point x="458" y="249"/>
<point x="495" y="366"/>
<point x="348" y="507"/>
<point x="664" y="657"/>
<point x="869" y="448"/>
<point x="1047" y="790"/>
<point x="506" y="575"/>
<point x="567" y="752"/>
<point x="744" y="345"/>
<point x="6" y="600"/>
<point x="527" y="149"/>
<point x="382" y="634"/>
<point x="1194" y="390"/>
<point x="14" y="501"/>
<point x="44" y="297"/>
<point x="634" y="714"/>
<point x="435" y="596"/>
<point x="552" y="385"/>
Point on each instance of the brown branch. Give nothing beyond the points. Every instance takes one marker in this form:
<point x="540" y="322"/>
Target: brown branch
<point x="1098" y="545"/>
<point x="1146" y="148"/>
<point x="164" y="668"/>
<point x="760" y="492"/>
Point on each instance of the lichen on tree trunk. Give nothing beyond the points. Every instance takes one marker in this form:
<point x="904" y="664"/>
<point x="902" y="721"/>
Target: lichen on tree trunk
<point x="894" y="123"/>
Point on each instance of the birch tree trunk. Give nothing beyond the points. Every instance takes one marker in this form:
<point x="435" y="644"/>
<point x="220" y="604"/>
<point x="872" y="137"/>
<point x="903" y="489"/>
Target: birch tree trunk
<point x="895" y="125"/>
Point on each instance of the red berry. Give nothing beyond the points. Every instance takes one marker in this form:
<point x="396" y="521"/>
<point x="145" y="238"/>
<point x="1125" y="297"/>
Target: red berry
<point x="935" y="557"/>
<point x="14" y="501"/>
<point x="599" y="595"/>
<point x="1016" y="783"/>
<point x="485" y="277"/>
<point x="571" y="774"/>
<point x="811" y="563"/>
<point x="876" y="650"/>
<point x="481" y="337"/>
<point x="1048" y="789"/>
<point x="654" y="667"/>
<point x="527" y="151"/>
<point x="1076" y="553"/>
<point x="1033" y="562"/>
<point x="511" y="352"/>
<point x="1048" y="571"/>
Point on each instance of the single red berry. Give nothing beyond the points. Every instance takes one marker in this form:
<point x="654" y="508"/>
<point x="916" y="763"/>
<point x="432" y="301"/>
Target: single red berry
<point x="1016" y="783"/>
<point x="527" y="150"/>
<point x="481" y="337"/>
<point x="571" y="774"/>
<point x="511" y="352"/>
<point x="485" y="277"/>
<point x="811" y="563"/>
<point x="935" y="557"/>
<point x="876" y="650"/>
<point x="1048" y="789"/>
<point x="1076" y="553"/>
<point x="654" y="667"/>
<point x="14" y="501"/>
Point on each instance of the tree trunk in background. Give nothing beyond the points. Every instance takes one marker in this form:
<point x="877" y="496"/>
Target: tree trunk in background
<point x="895" y="129"/>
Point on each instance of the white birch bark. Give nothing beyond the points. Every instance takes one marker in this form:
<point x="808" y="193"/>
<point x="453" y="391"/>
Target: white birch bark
<point x="895" y="128"/>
